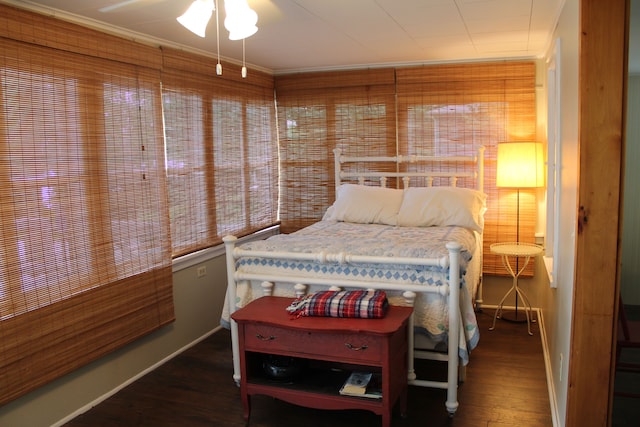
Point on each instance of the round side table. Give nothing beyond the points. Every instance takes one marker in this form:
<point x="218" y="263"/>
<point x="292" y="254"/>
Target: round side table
<point x="515" y="250"/>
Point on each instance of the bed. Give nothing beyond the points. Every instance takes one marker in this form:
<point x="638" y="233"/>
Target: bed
<point x="422" y="245"/>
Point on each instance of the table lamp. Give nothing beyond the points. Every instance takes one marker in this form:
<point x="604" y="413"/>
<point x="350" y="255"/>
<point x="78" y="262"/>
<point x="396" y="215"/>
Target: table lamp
<point x="520" y="165"/>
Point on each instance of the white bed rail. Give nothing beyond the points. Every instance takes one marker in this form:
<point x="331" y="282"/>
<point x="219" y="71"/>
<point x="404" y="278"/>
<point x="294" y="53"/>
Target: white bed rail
<point x="451" y="290"/>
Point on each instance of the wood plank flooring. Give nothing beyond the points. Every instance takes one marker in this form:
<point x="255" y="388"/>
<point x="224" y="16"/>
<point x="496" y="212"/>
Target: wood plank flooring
<point x="626" y="410"/>
<point x="505" y="386"/>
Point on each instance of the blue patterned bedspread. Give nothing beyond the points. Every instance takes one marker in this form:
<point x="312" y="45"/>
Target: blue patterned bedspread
<point x="431" y="310"/>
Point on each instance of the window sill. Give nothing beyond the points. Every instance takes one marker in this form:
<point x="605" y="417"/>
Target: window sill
<point x="548" y="264"/>
<point x="199" y="257"/>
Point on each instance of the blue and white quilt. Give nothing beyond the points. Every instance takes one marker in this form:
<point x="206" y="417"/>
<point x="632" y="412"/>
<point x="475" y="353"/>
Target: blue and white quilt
<point x="431" y="310"/>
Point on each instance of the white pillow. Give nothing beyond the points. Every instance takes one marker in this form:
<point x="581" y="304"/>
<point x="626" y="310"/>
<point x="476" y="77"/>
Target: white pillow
<point x="443" y="206"/>
<point x="365" y="205"/>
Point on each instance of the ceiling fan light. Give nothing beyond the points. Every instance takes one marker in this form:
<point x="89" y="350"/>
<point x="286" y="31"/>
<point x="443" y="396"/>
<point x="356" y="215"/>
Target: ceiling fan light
<point x="197" y="16"/>
<point x="241" y="20"/>
<point x="240" y="33"/>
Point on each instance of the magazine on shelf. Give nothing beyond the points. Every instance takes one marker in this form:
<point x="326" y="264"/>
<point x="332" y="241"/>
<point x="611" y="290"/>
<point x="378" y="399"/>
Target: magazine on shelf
<point x="362" y="384"/>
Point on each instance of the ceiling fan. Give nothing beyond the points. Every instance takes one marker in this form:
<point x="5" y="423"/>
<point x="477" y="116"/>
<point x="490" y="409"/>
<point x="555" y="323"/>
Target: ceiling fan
<point x="126" y="4"/>
<point x="240" y="20"/>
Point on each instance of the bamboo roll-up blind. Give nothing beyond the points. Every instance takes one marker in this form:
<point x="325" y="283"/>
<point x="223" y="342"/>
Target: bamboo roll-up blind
<point x="441" y="110"/>
<point x="85" y="257"/>
<point x="32" y="28"/>
<point x="222" y="157"/>
<point x="455" y="108"/>
<point x="318" y="112"/>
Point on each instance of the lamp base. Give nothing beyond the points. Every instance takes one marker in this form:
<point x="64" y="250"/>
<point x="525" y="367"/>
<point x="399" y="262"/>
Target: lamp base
<point x="515" y="316"/>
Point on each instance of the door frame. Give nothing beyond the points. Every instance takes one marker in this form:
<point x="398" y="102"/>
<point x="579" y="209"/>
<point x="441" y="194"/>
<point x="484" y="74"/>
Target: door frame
<point x="602" y="99"/>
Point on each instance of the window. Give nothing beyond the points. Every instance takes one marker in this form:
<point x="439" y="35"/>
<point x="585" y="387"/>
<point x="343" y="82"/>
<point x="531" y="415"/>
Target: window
<point x="222" y="153"/>
<point x="40" y="215"/>
<point x="85" y="261"/>
<point x="553" y="164"/>
<point x="188" y="171"/>
<point x="450" y="109"/>
<point x="318" y="112"/>
<point x="455" y="108"/>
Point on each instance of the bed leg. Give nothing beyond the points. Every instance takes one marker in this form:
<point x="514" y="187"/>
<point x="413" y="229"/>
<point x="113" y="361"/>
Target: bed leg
<point x="410" y="298"/>
<point x="479" y="301"/>
<point x="229" y="244"/>
<point x="454" y="327"/>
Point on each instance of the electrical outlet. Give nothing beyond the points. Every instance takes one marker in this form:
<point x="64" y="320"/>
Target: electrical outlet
<point x="202" y="271"/>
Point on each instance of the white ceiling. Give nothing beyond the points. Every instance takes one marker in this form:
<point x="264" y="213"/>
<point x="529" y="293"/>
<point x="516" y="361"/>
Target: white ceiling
<point x="302" y="35"/>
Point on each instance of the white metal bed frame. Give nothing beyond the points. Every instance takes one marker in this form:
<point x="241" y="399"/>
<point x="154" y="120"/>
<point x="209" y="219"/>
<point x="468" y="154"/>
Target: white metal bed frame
<point x="300" y="282"/>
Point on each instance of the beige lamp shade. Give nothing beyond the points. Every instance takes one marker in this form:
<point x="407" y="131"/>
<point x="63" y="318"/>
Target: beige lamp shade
<point x="520" y="165"/>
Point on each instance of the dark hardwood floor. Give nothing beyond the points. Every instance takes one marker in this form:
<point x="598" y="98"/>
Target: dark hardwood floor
<point x="505" y="386"/>
<point x="626" y="410"/>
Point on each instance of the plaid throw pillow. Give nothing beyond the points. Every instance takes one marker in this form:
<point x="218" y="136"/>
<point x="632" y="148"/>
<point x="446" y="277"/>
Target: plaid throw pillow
<point x="366" y="304"/>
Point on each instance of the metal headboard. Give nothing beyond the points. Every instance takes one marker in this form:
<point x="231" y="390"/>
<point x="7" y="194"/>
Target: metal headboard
<point x="476" y="170"/>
